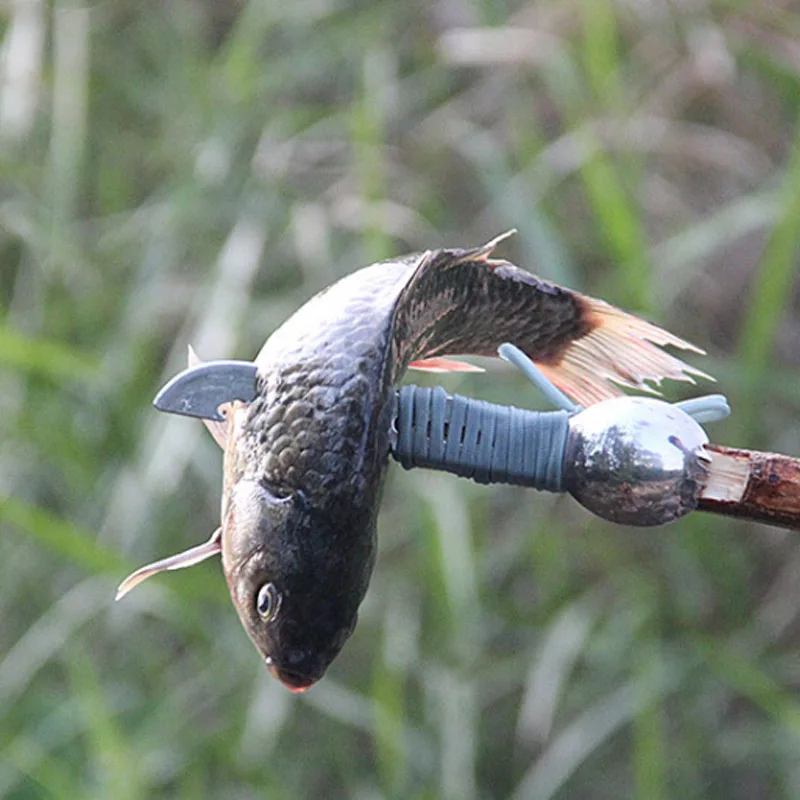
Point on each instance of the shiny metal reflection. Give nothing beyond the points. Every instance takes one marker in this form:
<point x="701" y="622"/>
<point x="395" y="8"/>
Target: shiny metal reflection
<point x="636" y="461"/>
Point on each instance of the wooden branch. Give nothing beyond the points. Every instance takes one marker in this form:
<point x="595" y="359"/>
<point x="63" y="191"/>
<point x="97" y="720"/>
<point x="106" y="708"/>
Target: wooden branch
<point x="762" y="487"/>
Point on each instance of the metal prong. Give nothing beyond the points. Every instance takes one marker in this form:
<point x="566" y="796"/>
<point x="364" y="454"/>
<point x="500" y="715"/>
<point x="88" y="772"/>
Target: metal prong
<point x="708" y="408"/>
<point x="511" y="353"/>
<point x="201" y="390"/>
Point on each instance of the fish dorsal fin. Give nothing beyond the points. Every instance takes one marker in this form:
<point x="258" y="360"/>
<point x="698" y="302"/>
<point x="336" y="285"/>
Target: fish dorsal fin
<point x="217" y="429"/>
<point x="188" y="558"/>
<point x="430" y="259"/>
<point x="483" y="252"/>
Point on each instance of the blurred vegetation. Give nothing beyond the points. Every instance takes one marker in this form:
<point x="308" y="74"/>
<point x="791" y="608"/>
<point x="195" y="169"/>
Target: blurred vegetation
<point x="190" y="172"/>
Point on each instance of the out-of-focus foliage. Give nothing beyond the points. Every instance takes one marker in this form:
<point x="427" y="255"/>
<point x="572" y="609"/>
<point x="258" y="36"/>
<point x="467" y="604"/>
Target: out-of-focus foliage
<point x="189" y="171"/>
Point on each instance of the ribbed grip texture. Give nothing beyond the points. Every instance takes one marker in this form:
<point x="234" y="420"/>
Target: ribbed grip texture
<point x="475" y="439"/>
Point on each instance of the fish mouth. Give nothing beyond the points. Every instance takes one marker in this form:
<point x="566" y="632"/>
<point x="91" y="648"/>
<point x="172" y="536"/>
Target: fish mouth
<point x="293" y="681"/>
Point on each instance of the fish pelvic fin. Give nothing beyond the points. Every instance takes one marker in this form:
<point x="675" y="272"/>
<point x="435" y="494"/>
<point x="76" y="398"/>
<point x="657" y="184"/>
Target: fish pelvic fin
<point x="439" y="364"/>
<point x="188" y="558"/>
<point x="619" y="350"/>
<point x="218" y="430"/>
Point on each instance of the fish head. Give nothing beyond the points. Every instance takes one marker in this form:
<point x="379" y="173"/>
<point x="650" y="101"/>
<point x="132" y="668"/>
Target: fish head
<point x="297" y="543"/>
<point x="296" y="596"/>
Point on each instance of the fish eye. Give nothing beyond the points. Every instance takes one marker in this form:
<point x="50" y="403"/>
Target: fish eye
<point x="267" y="602"/>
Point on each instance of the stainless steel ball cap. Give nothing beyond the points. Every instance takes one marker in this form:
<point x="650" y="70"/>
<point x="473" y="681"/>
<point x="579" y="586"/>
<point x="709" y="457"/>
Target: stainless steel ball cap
<point x="636" y="461"/>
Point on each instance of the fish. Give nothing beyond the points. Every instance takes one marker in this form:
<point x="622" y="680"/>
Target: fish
<point x="305" y="460"/>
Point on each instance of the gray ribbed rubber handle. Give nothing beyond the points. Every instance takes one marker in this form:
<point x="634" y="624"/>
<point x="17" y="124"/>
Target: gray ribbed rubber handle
<point x="474" y="439"/>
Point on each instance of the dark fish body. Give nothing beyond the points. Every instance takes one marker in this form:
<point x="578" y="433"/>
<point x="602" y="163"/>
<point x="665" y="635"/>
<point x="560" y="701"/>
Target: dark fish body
<point x="317" y="435"/>
<point x="305" y="461"/>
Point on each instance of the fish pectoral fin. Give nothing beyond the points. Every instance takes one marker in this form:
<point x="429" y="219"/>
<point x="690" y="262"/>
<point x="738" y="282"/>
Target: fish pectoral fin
<point x="620" y="350"/>
<point x="217" y="429"/>
<point x="437" y="364"/>
<point x="188" y="558"/>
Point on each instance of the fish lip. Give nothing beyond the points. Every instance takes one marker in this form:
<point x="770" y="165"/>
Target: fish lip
<point x="293" y="681"/>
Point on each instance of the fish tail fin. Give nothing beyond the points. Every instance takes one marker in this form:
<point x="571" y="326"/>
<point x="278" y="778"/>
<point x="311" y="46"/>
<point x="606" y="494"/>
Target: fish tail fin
<point x="620" y="350"/>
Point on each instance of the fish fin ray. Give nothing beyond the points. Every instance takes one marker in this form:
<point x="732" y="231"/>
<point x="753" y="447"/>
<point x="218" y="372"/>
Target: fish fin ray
<point x="432" y="259"/>
<point x="483" y="252"/>
<point x="217" y="429"/>
<point x="619" y="351"/>
<point x="193" y="359"/>
<point x="188" y="558"/>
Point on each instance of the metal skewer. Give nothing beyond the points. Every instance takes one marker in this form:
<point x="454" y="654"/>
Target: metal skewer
<point x="745" y="484"/>
<point x="632" y="460"/>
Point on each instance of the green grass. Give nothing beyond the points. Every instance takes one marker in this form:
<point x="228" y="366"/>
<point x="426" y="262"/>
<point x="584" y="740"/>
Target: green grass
<point x="192" y="172"/>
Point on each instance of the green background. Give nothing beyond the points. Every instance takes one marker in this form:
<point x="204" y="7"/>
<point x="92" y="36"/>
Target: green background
<point x="191" y="172"/>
